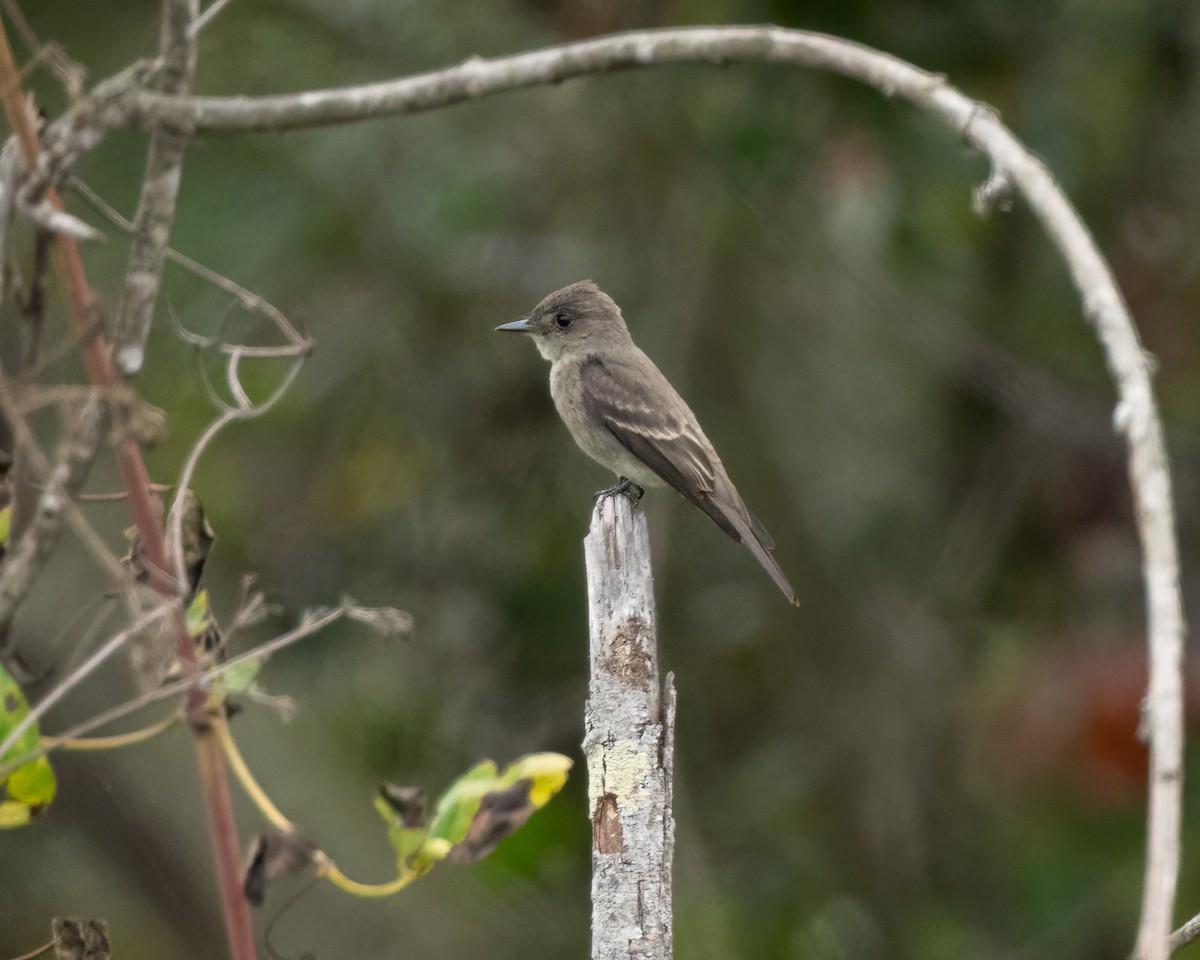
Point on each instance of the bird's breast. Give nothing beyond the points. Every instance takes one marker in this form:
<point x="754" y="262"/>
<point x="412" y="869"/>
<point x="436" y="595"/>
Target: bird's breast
<point x="592" y="435"/>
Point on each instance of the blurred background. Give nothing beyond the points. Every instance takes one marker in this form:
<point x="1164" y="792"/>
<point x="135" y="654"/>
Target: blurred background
<point x="935" y="755"/>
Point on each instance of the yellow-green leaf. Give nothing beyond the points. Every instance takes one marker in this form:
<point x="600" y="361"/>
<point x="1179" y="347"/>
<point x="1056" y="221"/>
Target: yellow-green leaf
<point x="239" y="677"/>
<point x="32" y="782"/>
<point x="514" y="796"/>
<point x="31" y="786"/>
<point x="546" y="772"/>
<point x="476" y="812"/>
<point x="14" y="814"/>
<point x="5" y="524"/>
<point x="198" y="618"/>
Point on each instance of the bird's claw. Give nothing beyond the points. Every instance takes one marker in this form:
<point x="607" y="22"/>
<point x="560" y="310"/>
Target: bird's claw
<point x="622" y="487"/>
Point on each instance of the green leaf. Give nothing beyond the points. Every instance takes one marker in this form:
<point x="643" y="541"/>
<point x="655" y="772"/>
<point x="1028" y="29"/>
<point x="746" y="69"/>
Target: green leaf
<point x="239" y="677"/>
<point x="198" y="618"/>
<point x="5" y="524"/>
<point x="458" y="804"/>
<point x="29" y="788"/>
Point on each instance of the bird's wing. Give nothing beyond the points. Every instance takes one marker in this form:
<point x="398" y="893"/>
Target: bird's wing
<point x="671" y="444"/>
<point x="674" y="447"/>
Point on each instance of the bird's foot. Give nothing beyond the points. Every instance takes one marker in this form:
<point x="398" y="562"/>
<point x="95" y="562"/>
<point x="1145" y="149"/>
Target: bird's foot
<point x="622" y="487"/>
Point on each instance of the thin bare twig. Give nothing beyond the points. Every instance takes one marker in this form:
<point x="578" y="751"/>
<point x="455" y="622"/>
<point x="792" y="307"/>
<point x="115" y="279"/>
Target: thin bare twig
<point x="248" y="299"/>
<point x="310" y="623"/>
<point x="67" y="70"/>
<point x="93" y="543"/>
<point x="160" y="187"/>
<point x="33" y="310"/>
<point x="82" y="128"/>
<point x="78" y="450"/>
<point x="36" y="951"/>
<point x="85" y="669"/>
<point x="24" y="498"/>
<point x="44" y="215"/>
<point x="1186" y="933"/>
<point x="10" y="176"/>
<point x="245" y="410"/>
<point x="206" y="17"/>
<point x="37" y="542"/>
<point x="119" y="496"/>
<point x="15" y="14"/>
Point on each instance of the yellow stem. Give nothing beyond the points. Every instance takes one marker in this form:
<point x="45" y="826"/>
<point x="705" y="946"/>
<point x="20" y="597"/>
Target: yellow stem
<point x="328" y="869"/>
<point x="113" y="742"/>
<point x="256" y="793"/>
<point x="325" y="866"/>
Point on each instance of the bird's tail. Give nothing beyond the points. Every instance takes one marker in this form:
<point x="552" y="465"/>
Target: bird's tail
<point x="762" y="553"/>
<point x="730" y="514"/>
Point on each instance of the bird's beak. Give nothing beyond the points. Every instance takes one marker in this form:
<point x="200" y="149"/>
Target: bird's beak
<point x="517" y="326"/>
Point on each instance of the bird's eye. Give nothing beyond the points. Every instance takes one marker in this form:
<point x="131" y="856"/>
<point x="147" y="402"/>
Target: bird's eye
<point x="562" y="320"/>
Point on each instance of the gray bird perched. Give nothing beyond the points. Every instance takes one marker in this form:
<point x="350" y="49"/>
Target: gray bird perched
<point x="625" y="415"/>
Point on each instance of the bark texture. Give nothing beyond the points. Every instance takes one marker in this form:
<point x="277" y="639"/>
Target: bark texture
<point x="629" y="742"/>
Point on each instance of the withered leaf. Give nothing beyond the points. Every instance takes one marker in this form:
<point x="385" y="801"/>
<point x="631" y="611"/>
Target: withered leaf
<point x="272" y="854"/>
<point x="500" y="813"/>
<point x="407" y="802"/>
<point x="79" y="939"/>
<point x="196" y="535"/>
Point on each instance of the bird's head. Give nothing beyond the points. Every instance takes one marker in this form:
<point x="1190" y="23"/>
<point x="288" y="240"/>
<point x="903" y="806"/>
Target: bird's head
<point x="580" y="318"/>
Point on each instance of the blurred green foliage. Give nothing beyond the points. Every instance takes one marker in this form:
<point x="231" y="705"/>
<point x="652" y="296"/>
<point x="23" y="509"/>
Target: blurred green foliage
<point x="935" y="756"/>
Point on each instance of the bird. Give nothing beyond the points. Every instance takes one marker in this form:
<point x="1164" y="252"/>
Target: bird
<point x="625" y="415"/>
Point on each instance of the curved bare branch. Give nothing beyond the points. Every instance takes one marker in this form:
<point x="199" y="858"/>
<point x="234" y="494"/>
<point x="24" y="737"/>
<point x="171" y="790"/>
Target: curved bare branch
<point x="478" y="77"/>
